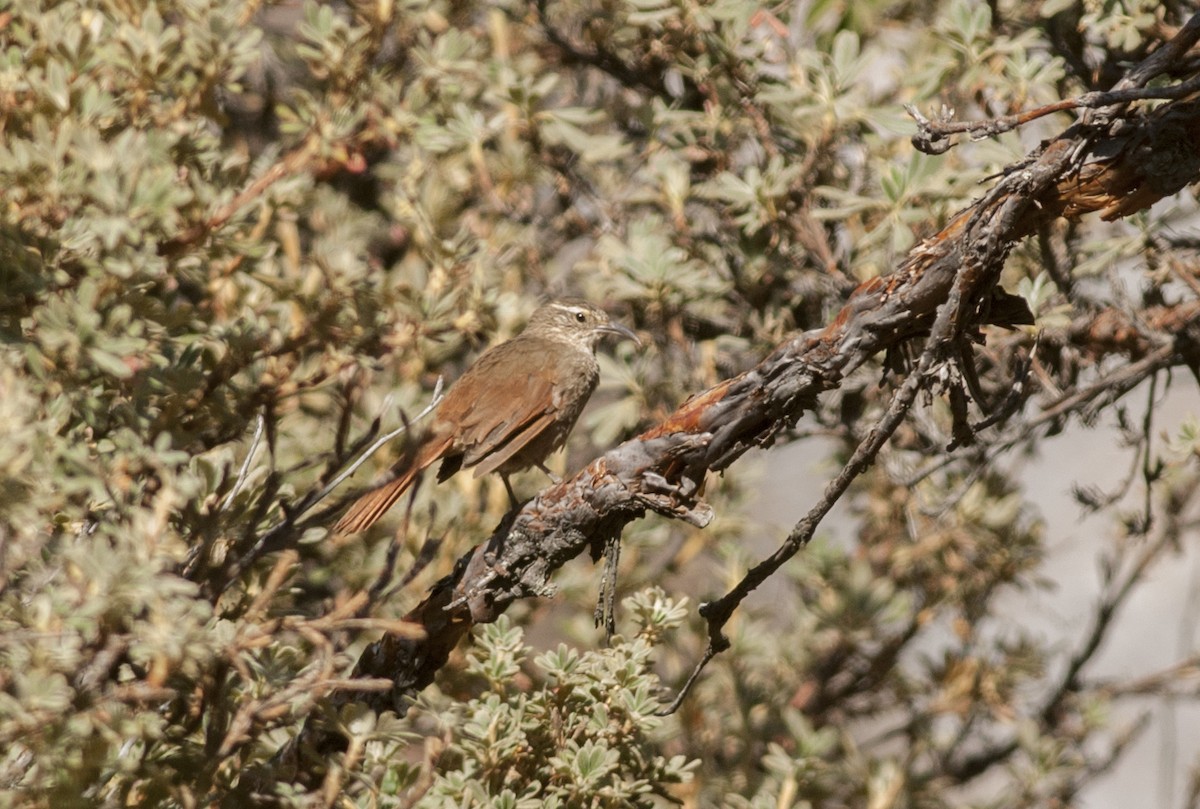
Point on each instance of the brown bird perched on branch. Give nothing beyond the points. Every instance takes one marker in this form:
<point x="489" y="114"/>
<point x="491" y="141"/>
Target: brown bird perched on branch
<point x="513" y="407"/>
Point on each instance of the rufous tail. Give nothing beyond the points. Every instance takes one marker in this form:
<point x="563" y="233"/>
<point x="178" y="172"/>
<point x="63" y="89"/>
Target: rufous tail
<point x="367" y="509"/>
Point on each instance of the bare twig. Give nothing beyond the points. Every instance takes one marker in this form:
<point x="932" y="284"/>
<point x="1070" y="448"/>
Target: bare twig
<point x="259" y="424"/>
<point x="717" y="613"/>
<point x="1096" y="333"/>
<point x="933" y="135"/>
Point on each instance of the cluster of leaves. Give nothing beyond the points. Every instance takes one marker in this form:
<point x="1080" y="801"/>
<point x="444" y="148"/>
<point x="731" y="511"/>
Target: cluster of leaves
<point x="583" y="732"/>
<point x="887" y="671"/>
<point x="220" y="217"/>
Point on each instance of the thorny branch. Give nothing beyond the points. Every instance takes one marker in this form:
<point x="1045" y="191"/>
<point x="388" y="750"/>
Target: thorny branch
<point x="1119" y="162"/>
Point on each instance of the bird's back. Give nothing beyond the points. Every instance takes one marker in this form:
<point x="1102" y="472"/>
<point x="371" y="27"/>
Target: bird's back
<point x="517" y="403"/>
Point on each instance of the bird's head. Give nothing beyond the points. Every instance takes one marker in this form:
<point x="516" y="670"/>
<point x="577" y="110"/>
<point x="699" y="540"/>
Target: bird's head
<point x="575" y="321"/>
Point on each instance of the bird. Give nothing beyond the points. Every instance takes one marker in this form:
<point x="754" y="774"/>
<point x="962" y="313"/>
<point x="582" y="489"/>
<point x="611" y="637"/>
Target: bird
<point x="513" y="406"/>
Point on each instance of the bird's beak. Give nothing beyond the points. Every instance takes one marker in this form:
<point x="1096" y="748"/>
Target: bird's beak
<point x="620" y="331"/>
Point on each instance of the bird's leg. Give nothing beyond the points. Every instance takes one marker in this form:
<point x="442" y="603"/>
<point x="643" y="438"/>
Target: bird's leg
<point x="555" y="479"/>
<point x="512" y="498"/>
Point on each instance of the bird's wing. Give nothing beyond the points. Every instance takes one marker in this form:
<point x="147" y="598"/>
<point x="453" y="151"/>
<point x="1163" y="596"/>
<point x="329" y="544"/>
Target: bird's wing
<point x="518" y="402"/>
<point x="517" y="442"/>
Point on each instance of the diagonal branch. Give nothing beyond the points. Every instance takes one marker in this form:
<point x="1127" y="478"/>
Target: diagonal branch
<point x="947" y="284"/>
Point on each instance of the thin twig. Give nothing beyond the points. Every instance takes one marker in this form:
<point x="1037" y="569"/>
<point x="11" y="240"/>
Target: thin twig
<point x="260" y="425"/>
<point x="933" y="135"/>
<point x="1127" y="378"/>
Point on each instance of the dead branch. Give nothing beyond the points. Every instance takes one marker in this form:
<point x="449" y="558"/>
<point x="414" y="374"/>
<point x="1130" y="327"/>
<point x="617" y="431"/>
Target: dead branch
<point x="1121" y="162"/>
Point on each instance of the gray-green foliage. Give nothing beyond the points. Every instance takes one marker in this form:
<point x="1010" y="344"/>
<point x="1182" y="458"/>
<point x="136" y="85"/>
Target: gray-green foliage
<point x="215" y="213"/>
<point x="583" y="734"/>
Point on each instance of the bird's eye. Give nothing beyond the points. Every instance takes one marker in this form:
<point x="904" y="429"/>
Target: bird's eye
<point x="580" y="317"/>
